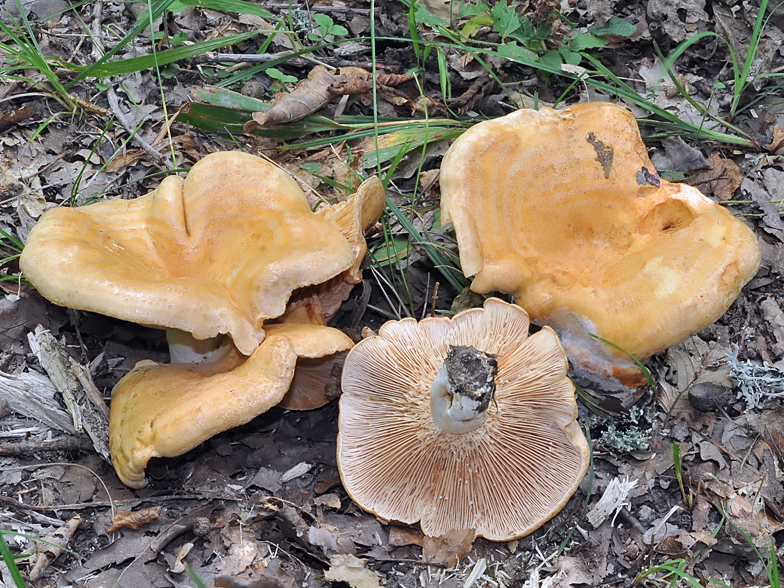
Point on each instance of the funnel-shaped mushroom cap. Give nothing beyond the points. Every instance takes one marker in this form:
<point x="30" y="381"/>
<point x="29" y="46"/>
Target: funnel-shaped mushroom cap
<point x="505" y="478"/>
<point x="164" y="410"/>
<point x="564" y="210"/>
<point x="216" y="253"/>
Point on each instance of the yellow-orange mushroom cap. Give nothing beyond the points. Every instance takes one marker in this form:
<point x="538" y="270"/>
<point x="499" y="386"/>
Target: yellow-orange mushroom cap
<point x="165" y="410"/>
<point x="564" y="210"/>
<point x="506" y="476"/>
<point x="216" y="253"/>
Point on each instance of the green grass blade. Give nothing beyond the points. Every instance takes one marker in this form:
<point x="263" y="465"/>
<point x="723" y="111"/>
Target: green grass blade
<point x="146" y="18"/>
<point x="236" y="6"/>
<point x="694" y="104"/>
<point x="453" y="275"/>
<point x="15" y="244"/>
<point x="648" y="376"/>
<point x="229" y="99"/>
<point x="622" y="90"/>
<point x="752" y="52"/>
<point x="9" y="560"/>
<point x="162" y="58"/>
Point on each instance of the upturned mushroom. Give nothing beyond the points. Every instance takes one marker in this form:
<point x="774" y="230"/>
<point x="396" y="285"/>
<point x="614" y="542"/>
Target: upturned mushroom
<point x="565" y="210"/>
<point x="461" y="423"/>
<point x="165" y="410"/>
<point x="212" y="259"/>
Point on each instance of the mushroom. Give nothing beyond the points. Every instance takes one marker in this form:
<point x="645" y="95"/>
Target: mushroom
<point x="461" y="423"/>
<point x="217" y="253"/>
<point x="565" y="210"/>
<point x="165" y="410"/>
<point x="212" y="258"/>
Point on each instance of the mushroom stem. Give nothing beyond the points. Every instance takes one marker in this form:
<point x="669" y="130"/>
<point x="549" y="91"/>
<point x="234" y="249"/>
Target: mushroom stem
<point x="185" y="348"/>
<point x="462" y="389"/>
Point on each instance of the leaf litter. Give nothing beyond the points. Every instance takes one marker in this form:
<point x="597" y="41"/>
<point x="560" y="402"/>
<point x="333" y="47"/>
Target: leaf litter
<point x="262" y="505"/>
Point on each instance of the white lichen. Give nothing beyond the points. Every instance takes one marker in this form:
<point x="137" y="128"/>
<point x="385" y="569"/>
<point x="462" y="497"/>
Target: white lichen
<point x="756" y="383"/>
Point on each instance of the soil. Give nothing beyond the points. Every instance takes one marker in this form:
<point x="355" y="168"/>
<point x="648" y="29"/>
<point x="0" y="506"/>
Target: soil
<point x="262" y="505"/>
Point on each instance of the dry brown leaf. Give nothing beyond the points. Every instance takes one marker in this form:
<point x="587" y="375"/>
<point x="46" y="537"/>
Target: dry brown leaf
<point x="240" y="557"/>
<point x="350" y="569"/>
<point x="573" y="571"/>
<point x="354" y="80"/>
<point x="134" y="519"/>
<point x="179" y="557"/>
<point x="689" y="360"/>
<point x="309" y="96"/>
<point x="777" y="144"/>
<point x="748" y="515"/>
<point x="398" y="536"/>
<point x="473" y="95"/>
<point x="127" y="158"/>
<point x="448" y="549"/>
<point x="722" y="180"/>
<point x="770" y="425"/>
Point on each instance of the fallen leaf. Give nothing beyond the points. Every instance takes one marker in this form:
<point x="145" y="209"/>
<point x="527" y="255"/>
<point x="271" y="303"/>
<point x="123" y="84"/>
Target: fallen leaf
<point x="680" y="157"/>
<point x="722" y="180"/>
<point x="134" y="519"/>
<point x="448" y="549"/>
<point x="330" y="540"/>
<point x="328" y="501"/>
<point x="179" y="564"/>
<point x="777" y="144"/>
<point x="350" y="569"/>
<point x="690" y="361"/>
<point x="615" y="497"/>
<point x="354" y="80"/>
<point x="398" y="537"/>
<point x="573" y="571"/>
<point x="240" y="557"/>
<point x="771" y="221"/>
<point x="310" y="95"/>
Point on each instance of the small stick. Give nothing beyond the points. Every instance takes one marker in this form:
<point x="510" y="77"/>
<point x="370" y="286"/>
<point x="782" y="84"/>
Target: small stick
<point x="211" y="57"/>
<point x="435" y="297"/>
<point x="154" y="154"/>
<point x="277" y="7"/>
<point x="21" y="448"/>
<point x="15" y="504"/>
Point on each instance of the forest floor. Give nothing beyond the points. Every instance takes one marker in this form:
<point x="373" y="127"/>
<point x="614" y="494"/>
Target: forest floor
<point x="696" y="470"/>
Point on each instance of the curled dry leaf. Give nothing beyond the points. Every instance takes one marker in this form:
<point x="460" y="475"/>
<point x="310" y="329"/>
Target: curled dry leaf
<point x="321" y="86"/>
<point x="315" y="92"/>
<point x="354" y="80"/>
<point x="310" y="95"/>
<point x="400" y="536"/>
<point x="134" y="519"/>
<point x="777" y="144"/>
<point x="722" y="180"/>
